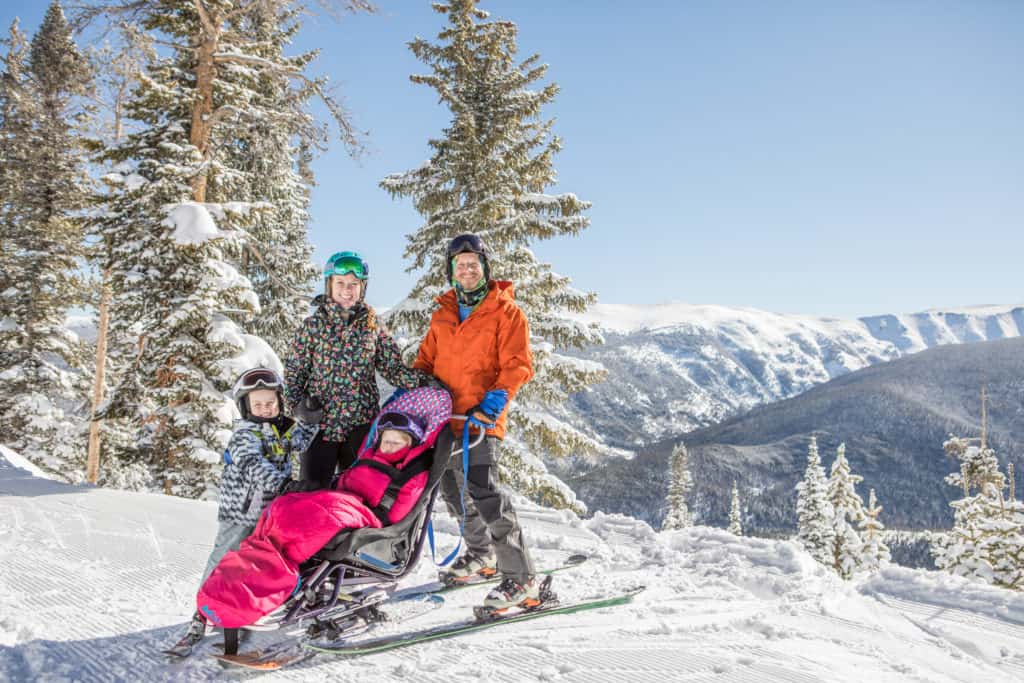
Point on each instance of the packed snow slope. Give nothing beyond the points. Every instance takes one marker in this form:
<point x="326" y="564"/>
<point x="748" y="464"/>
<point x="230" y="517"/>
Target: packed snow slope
<point x="93" y="583"/>
<point x="677" y="367"/>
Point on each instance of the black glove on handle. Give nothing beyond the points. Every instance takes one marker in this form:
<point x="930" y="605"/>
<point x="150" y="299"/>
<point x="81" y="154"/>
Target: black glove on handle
<point x="309" y="411"/>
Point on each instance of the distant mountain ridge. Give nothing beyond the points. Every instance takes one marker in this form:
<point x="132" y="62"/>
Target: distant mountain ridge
<point x="893" y="418"/>
<point x="674" y="368"/>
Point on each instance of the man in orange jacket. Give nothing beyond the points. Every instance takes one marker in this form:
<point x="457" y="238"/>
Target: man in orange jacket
<point x="478" y="344"/>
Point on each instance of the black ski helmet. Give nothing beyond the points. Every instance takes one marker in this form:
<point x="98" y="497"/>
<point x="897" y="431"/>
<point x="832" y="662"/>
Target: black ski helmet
<point x="256" y="378"/>
<point x="467" y="243"/>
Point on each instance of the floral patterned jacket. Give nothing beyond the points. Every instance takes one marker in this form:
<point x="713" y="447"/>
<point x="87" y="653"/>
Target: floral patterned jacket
<point x="335" y="357"/>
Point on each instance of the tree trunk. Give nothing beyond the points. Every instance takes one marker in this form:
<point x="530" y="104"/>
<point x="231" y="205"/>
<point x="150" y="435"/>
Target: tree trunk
<point x="202" y="104"/>
<point x="92" y="463"/>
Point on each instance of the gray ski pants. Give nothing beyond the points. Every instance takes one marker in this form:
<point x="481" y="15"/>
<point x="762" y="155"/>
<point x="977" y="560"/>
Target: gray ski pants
<point x="229" y="536"/>
<point x="491" y="521"/>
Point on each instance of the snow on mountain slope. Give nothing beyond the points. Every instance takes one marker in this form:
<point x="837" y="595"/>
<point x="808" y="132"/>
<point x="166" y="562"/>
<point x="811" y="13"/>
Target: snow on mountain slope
<point x="678" y="367"/>
<point x="94" y="582"/>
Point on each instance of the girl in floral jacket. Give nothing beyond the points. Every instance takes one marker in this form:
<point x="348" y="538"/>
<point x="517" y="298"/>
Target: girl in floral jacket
<point x="333" y="364"/>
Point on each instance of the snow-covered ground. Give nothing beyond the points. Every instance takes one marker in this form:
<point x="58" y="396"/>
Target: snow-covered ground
<point x="93" y="583"/>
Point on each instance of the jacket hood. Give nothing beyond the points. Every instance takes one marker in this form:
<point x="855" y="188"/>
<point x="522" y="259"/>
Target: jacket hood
<point x="328" y="310"/>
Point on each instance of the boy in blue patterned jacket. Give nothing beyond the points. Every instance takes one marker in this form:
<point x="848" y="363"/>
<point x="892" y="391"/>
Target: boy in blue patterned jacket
<point x="262" y="454"/>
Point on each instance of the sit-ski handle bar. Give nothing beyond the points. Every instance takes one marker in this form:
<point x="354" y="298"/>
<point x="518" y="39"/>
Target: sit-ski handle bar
<point x="480" y="436"/>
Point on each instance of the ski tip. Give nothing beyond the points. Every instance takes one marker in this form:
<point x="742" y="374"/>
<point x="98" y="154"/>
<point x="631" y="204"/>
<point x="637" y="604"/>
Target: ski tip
<point x="248" y="662"/>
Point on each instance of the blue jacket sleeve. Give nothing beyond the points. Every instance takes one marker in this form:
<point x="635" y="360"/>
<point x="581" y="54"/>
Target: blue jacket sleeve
<point x="303" y="435"/>
<point x="247" y="454"/>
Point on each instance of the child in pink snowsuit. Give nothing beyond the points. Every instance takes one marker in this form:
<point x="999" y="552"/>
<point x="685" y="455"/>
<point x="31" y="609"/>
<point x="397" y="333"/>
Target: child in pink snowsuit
<point x="260" y="576"/>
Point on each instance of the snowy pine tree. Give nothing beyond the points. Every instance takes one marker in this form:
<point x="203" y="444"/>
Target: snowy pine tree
<point x="847" y="512"/>
<point x="177" y="298"/>
<point x="987" y="538"/>
<point x="966" y="550"/>
<point x="814" y="511"/>
<point x="874" y="551"/>
<point x="45" y="193"/>
<point x="16" y="116"/>
<point x="118" y="69"/>
<point x="1006" y="542"/>
<point x="488" y="174"/>
<point x="267" y="158"/>
<point x="735" y="513"/>
<point x="680" y="485"/>
<point x="200" y="167"/>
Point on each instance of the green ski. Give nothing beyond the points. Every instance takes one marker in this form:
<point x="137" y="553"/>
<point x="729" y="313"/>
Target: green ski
<point x="470" y="626"/>
<point x="438" y="587"/>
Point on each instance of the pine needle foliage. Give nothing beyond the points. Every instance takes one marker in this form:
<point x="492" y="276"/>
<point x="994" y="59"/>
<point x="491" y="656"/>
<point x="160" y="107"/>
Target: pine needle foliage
<point x="489" y="174"/>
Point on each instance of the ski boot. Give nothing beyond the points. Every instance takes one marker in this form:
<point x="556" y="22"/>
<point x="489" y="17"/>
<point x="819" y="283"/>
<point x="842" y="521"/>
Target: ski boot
<point x="468" y="568"/>
<point x="195" y="633"/>
<point x="529" y="595"/>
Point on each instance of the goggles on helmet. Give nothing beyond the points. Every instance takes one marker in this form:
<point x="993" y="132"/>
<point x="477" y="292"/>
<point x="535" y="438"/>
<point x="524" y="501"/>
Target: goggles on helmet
<point x="468" y="242"/>
<point x="402" y="423"/>
<point x="258" y="378"/>
<point x="347" y="263"/>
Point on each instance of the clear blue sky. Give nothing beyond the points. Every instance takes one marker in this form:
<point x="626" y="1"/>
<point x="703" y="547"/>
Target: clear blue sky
<point x="828" y="158"/>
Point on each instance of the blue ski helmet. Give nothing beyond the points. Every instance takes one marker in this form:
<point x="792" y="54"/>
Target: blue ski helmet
<point x="346" y="263"/>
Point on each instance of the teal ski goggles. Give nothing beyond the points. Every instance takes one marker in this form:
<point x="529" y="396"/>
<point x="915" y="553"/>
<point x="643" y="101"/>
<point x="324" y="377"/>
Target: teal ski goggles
<point x="347" y="263"/>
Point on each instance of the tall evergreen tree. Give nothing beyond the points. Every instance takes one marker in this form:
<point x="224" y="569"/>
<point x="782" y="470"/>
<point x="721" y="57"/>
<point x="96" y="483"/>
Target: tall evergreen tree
<point x="847" y="512"/>
<point x="489" y="174"/>
<point x="177" y="299"/>
<point x="200" y="168"/>
<point x="962" y="551"/>
<point x="268" y="155"/>
<point x="987" y="539"/>
<point x="680" y="485"/>
<point x="118" y="67"/>
<point x="735" y="513"/>
<point x="16" y="115"/>
<point x="874" y="551"/>
<point x="41" y="404"/>
<point x="814" y="511"/>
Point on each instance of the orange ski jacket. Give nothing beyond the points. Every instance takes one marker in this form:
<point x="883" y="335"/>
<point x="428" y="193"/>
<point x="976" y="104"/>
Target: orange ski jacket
<point x="489" y="350"/>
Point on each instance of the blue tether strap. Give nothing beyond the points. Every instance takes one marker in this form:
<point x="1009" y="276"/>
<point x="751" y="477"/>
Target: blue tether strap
<point x="462" y="494"/>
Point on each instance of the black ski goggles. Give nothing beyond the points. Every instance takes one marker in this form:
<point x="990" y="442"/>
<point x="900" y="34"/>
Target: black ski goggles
<point x="464" y="243"/>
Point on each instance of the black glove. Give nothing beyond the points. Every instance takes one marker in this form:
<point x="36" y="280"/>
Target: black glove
<point x="309" y="411"/>
<point x="299" y="486"/>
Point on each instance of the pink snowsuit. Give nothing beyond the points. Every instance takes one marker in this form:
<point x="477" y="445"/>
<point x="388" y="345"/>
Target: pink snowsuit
<point x="257" y="578"/>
